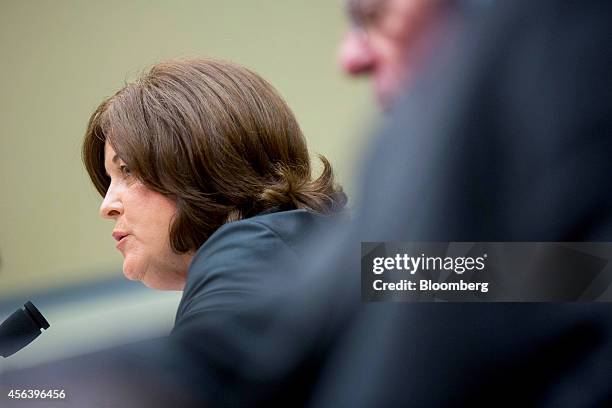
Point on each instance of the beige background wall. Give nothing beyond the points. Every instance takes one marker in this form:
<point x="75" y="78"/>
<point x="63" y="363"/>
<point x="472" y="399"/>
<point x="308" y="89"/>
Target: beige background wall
<point x="59" y="59"/>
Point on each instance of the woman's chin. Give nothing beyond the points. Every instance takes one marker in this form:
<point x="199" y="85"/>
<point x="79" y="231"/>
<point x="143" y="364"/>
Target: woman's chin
<point x="130" y="271"/>
<point x="135" y="274"/>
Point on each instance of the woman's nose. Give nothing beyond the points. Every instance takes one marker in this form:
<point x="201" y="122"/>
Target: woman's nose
<point x="111" y="206"/>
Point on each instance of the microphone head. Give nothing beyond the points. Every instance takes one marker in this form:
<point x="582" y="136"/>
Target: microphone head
<point x="20" y="329"/>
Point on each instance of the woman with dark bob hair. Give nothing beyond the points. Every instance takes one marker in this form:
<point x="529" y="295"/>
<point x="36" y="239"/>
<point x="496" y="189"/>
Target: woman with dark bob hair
<point x="205" y="172"/>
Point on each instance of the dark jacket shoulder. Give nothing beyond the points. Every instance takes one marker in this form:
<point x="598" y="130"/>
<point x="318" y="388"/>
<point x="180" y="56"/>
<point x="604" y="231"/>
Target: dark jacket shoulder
<point x="229" y="268"/>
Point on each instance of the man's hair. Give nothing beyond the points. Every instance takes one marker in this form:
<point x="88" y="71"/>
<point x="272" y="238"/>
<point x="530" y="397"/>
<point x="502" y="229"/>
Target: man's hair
<point x="217" y="139"/>
<point x="362" y="12"/>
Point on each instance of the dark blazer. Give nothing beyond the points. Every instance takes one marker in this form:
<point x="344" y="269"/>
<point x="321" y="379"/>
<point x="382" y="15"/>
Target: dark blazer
<point x="241" y="258"/>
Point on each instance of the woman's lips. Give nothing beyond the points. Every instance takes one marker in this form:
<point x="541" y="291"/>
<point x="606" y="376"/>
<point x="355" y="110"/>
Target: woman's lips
<point x="120" y="237"/>
<point x="121" y="242"/>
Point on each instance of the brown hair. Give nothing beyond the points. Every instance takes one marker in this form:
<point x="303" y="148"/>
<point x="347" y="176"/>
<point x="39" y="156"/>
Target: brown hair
<point x="216" y="138"/>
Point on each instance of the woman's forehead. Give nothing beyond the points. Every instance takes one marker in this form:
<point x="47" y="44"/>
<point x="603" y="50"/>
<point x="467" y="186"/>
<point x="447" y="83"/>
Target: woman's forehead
<point x="110" y="156"/>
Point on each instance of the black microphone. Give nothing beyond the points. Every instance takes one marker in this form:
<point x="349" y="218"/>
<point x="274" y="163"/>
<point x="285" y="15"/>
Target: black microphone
<point x="20" y="329"/>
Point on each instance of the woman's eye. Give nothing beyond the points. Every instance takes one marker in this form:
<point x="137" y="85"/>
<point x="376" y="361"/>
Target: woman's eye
<point x="124" y="170"/>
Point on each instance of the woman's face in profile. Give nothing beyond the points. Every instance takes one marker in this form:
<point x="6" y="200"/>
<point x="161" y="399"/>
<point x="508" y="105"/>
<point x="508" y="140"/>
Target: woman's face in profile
<point x="142" y="223"/>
